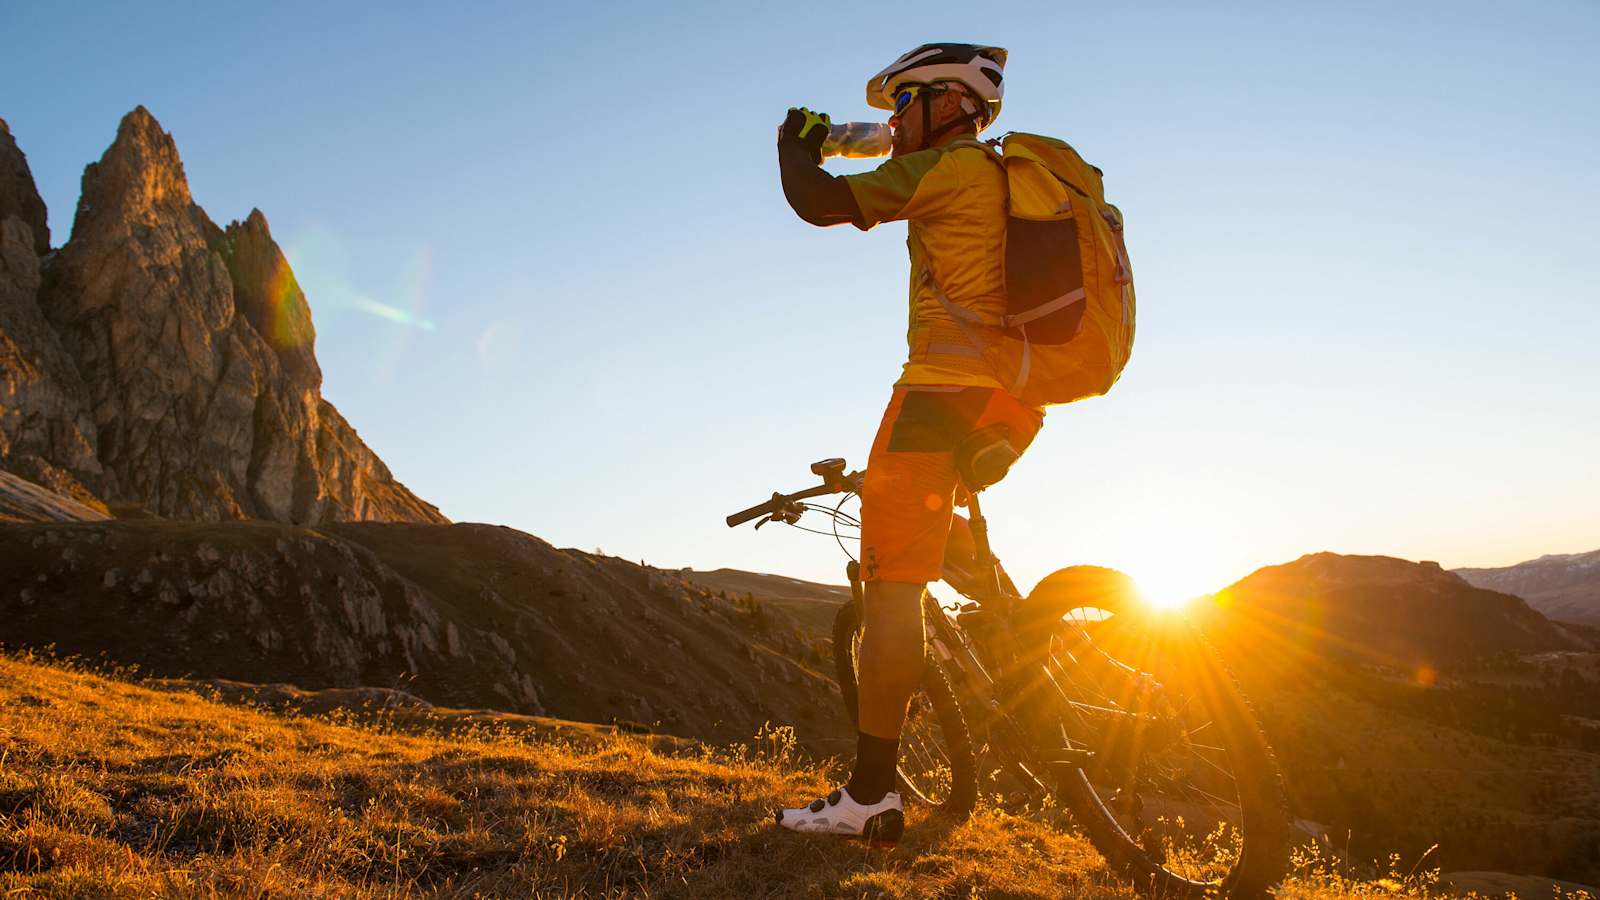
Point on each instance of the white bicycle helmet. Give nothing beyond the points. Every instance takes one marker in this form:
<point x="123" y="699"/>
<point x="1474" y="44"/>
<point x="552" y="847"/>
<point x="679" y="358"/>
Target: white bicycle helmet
<point x="981" y="70"/>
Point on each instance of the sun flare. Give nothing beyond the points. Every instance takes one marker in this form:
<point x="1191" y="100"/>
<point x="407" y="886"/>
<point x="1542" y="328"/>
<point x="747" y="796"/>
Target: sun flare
<point x="1178" y="559"/>
<point x="1166" y="590"/>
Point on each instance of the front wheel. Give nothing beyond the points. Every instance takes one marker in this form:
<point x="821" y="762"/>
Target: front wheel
<point x="1160" y="758"/>
<point x="937" y="768"/>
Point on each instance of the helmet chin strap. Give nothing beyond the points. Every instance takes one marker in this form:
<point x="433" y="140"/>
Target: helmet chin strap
<point x="929" y="136"/>
<point x="927" y="118"/>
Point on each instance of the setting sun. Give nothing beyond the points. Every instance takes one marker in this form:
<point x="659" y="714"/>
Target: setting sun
<point x="1165" y="593"/>
<point x="1175" y="555"/>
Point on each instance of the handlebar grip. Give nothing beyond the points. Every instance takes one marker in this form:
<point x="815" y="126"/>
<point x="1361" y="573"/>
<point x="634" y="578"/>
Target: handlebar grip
<point x="778" y="501"/>
<point x="754" y="512"/>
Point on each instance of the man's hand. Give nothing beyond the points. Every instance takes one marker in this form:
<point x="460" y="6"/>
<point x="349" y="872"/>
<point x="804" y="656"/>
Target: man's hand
<point x="816" y="196"/>
<point x="808" y="129"/>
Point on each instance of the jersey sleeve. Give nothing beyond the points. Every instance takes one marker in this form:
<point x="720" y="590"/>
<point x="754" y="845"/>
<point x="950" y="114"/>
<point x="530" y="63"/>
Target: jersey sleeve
<point x="917" y="184"/>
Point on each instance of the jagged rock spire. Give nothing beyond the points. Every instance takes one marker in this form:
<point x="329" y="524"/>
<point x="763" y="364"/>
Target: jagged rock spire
<point x="139" y="176"/>
<point x="19" y="197"/>
<point x="267" y="294"/>
<point x="196" y="348"/>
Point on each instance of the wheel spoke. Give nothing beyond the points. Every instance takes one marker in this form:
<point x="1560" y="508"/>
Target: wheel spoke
<point x="1186" y="771"/>
<point x="1225" y="773"/>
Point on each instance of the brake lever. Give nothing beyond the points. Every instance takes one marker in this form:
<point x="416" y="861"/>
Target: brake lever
<point x="788" y="515"/>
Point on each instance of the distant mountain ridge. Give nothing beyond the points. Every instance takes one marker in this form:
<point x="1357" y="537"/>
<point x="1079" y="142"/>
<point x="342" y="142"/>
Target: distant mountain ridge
<point x="159" y="362"/>
<point x="1387" y="611"/>
<point x="1563" y="586"/>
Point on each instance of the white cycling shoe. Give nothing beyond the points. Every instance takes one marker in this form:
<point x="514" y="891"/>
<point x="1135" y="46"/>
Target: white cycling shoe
<point x="880" y="824"/>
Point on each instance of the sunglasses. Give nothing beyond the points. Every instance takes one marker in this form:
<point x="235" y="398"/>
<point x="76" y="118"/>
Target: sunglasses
<point x="904" y="97"/>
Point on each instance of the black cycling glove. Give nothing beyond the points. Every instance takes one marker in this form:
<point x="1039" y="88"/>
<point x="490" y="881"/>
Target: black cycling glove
<point x="806" y="128"/>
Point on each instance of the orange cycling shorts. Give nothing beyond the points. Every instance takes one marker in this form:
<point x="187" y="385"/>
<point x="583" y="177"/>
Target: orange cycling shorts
<point x="908" y="499"/>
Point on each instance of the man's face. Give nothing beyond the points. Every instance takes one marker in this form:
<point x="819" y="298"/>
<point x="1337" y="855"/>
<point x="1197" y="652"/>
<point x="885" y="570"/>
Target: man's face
<point x="908" y="132"/>
<point x="907" y="129"/>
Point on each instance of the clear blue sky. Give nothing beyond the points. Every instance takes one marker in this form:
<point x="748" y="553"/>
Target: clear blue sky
<point x="1363" y="234"/>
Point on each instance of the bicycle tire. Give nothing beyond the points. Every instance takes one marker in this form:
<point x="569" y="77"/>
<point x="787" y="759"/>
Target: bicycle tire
<point x="1264" y="824"/>
<point x="955" y="743"/>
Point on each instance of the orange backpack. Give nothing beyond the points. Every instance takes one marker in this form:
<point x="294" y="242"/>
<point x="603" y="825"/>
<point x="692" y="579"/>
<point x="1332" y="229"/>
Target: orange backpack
<point x="1068" y="326"/>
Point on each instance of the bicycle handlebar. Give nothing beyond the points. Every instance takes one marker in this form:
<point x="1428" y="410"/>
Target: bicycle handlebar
<point x="851" y="482"/>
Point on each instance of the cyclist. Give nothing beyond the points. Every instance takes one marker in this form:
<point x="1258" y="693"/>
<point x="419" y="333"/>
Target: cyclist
<point x="949" y="188"/>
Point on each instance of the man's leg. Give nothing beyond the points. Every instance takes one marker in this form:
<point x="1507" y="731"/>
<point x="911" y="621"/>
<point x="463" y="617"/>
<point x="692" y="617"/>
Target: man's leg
<point x="888" y="670"/>
<point x="905" y="521"/>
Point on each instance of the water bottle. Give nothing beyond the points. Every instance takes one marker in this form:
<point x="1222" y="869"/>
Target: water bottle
<point x="858" y="140"/>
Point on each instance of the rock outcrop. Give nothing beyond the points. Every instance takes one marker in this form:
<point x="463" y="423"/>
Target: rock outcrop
<point x="267" y="295"/>
<point x="46" y="433"/>
<point x="19" y="196"/>
<point x="194" y="352"/>
<point x="23" y="501"/>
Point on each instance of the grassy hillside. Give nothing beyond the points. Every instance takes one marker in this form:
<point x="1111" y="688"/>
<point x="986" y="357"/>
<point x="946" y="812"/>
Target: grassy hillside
<point x="1389" y="766"/>
<point x="808" y="603"/>
<point x="461" y="615"/>
<point x="106" y="785"/>
<point x="110" y="788"/>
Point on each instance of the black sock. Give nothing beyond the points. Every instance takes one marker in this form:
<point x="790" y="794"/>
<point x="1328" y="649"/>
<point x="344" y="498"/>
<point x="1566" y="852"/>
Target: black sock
<point x="875" y="765"/>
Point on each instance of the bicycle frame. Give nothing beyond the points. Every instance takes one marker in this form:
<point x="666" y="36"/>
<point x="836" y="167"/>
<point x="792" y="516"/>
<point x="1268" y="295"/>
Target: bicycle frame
<point x="1003" y="689"/>
<point x="1035" y="683"/>
<point x="984" y="661"/>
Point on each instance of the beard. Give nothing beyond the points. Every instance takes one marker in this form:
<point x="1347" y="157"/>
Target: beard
<point x="900" y="143"/>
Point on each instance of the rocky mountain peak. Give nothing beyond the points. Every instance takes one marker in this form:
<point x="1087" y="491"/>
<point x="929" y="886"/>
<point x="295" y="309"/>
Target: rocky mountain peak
<point x="18" y="195"/>
<point x="189" y="352"/>
<point x="138" y="179"/>
<point x="267" y="294"/>
<point x="46" y="433"/>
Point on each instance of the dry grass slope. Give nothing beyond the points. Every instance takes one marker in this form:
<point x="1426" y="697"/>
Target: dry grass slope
<point x="110" y="788"/>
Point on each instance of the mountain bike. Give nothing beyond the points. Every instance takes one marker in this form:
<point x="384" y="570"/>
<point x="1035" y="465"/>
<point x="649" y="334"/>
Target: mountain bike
<point x="1076" y="694"/>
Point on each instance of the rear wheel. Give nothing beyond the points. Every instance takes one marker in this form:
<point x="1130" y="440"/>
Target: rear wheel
<point x="936" y="767"/>
<point x="1161" y="759"/>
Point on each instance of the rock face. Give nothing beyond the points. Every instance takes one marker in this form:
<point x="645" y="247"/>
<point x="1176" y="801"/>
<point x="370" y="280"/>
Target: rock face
<point x="194" y="357"/>
<point x="267" y="295"/>
<point x="18" y="195"/>
<point x="46" y="433"/>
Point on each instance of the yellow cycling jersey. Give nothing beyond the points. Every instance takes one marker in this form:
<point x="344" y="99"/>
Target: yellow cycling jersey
<point x="953" y="198"/>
